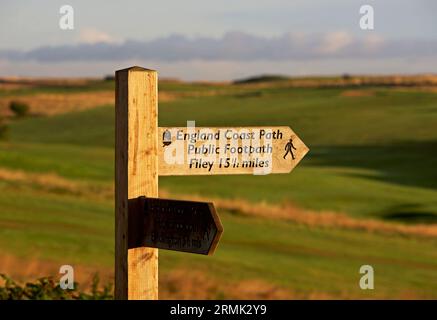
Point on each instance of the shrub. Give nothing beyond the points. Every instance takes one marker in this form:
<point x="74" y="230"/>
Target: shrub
<point x="262" y="78"/>
<point x="20" y="109"/>
<point x="48" y="289"/>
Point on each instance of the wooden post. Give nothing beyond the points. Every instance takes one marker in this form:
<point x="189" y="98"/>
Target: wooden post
<point x="136" y="174"/>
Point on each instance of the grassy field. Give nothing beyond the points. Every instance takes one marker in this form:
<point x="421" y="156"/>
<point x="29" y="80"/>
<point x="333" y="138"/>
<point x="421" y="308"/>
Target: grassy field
<point x="372" y="156"/>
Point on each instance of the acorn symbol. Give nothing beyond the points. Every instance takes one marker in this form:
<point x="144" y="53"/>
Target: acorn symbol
<point x="166" y="138"/>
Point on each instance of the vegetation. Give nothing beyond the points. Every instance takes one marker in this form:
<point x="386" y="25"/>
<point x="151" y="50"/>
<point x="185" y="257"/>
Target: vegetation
<point x="48" y="289"/>
<point x="363" y="142"/>
<point x="262" y="78"/>
<point x="20" y="109"/>
<point x="372" y="154"/>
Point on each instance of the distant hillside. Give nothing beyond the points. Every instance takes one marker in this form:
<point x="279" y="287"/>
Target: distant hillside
<point x="262" y="78"/>
<point x="345" y="80"/>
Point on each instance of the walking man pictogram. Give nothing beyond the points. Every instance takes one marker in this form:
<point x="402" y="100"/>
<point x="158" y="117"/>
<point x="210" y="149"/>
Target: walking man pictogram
<point x="288" y="148"/>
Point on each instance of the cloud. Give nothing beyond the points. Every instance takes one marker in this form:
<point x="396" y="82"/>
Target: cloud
<point x="93" y="36"/>
<point x="233" y="46"/>
<point x="335" y="41"/>
<point x="221" y="70"/>
<point x="373" y="42"/>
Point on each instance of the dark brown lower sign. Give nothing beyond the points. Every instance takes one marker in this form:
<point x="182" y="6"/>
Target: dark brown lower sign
<point x="187" y="226"/>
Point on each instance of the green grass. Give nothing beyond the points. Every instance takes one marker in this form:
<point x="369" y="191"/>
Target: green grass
<point x="321" y="116"/>
<point x="55" y="226"/>
<point x="64" y="228"/>
<point x="95" y="85"/>
<point x="370" y="156"/>
<point x="69" y="161"/>
<point x="328" y="261"/>
<point x="94" y="127"/>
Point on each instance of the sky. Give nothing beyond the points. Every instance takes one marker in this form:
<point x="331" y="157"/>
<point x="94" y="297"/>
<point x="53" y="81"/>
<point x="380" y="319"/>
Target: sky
<point x="217" y="40"/>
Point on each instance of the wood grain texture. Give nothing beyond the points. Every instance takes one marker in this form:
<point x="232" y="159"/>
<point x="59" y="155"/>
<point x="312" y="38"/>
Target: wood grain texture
<point x="282" y="150"/>
<point x="136" y="174"/>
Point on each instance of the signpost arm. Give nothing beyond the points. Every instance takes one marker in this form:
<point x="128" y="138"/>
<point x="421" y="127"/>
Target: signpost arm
<point x="136" y="174"/>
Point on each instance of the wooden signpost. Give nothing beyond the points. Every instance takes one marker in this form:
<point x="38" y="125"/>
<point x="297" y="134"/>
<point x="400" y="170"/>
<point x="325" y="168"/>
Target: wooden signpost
<point x="143" y="222"/>
<point x="136" y="174"/>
